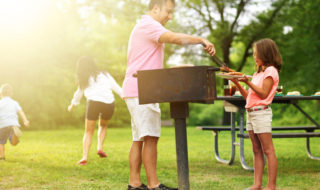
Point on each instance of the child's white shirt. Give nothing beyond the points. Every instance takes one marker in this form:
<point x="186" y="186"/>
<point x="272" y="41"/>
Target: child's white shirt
<point x="99" y="90"/>
<point x="9" y="109"/>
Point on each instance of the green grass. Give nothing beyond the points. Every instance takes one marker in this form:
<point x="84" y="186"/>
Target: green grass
<point x="47" y="160"/>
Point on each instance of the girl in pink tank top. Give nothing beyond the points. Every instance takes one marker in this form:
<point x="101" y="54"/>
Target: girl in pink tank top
<point x="262" y="89"/>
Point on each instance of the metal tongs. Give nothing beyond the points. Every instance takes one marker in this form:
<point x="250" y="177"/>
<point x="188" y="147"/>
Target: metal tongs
<point x="224" y="67"/>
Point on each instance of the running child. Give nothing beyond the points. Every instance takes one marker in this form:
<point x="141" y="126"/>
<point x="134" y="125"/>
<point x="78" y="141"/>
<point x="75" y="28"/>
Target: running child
<point x="9" y="121"/>
<point x="97" y="87"/>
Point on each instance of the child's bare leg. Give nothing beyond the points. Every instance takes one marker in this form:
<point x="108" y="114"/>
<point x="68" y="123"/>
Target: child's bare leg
<point x="14" y="140"/>
<point x="102" y="133"/>
<point x="2" y="150"/>
<point x="87" y="138"/>
<point x="268" y="149"/>
<point x="258" y="161"/>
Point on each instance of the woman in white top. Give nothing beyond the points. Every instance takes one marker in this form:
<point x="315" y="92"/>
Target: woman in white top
<point x="97" y="87"/>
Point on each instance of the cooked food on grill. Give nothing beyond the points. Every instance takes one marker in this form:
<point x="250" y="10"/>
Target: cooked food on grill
<point x="317" y="94"/>
<point x="226" y="69"/>
<point x="234" y="73"/>
<point x="295" y="93"/>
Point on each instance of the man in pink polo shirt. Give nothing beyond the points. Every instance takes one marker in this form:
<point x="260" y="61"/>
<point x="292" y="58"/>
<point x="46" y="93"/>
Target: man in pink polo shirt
<point x="145" y="52"/>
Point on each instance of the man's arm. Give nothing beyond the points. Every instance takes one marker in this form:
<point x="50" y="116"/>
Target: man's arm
<point x="24" y="118"/>
<point x="185" y="39"/>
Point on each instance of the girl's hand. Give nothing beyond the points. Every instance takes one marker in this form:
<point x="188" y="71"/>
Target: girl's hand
<point x="234" y="80"/>
<point x="244" y="79"/>
<point x="26" y="123"/>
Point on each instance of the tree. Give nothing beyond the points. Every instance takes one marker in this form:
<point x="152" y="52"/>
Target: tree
<point x="221" y="22"/>
<point x="301" y="47"/>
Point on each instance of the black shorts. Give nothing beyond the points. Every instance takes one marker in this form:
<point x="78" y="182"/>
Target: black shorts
<point x="96" y="109"/>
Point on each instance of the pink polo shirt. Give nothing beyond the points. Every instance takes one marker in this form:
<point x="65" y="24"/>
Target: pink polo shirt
<point x="253" y="99"/>
<point x="144" y="52"/>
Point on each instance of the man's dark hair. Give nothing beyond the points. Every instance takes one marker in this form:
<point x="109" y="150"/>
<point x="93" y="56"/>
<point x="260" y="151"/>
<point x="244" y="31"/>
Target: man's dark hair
<point x="158" y="2"/>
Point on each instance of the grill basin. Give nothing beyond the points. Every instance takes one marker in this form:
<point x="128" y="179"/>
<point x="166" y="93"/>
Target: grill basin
<point x="187" y="84"/>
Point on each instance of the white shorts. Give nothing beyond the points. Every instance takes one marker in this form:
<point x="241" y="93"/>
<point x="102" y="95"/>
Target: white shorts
<point x="259" y="121"/>
<point x="145" y="119"/>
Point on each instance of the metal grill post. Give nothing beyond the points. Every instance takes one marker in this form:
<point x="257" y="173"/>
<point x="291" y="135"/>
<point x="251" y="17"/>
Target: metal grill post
<point x="180" y="111"/>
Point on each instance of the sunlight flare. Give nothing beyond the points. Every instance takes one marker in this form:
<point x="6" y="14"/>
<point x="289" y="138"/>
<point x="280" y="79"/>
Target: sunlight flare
<point x="19" y="14"/>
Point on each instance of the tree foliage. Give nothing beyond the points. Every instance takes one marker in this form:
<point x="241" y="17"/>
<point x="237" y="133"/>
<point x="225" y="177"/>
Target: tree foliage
<point x="39" y="57"/>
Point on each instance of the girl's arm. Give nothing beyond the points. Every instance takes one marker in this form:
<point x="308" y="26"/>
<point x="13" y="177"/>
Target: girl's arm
<point x="76" y="99"/>
<point x="24" y="118"/>
<point x="114" y="85"/>
<point x="261" y="92"/>
<point x="243" y="92"/>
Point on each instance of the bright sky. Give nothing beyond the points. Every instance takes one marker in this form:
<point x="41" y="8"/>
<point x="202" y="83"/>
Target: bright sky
<point x="17" y="14"/>
<point x="23" y="28"/>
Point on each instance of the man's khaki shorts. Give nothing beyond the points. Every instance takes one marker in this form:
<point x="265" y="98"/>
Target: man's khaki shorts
<point x="145" y="119"/>
<point x="259" y="121"/>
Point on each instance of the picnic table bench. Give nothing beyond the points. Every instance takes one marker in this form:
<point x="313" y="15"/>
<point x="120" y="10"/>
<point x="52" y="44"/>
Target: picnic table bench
<point x="235" y="104"/>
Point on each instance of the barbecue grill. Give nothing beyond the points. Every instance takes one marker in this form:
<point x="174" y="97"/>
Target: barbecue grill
<point x="178" y="86"/>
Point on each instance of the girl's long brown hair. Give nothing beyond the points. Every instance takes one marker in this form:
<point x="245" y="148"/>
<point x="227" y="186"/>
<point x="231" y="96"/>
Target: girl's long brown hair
<point x="86" y="68"/>
<point x="268" y="52"/>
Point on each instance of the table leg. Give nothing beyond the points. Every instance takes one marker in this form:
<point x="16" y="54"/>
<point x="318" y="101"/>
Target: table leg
<point x="309" y="152"/>
<point x="308" y="139"/>
<point x="305" y="114"/>
<point x="241" y="129"/>
<point x="233" y="143"/>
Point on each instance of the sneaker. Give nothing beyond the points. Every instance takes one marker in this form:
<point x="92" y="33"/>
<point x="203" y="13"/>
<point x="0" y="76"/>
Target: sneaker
<point x="163" y="187"/>
<point x="17" y="132"/>
<point x="2" y="159"/>
<point x="141" y="187"/>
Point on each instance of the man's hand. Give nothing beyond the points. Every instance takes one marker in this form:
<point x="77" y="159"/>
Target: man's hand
<point x="208" y="47"/>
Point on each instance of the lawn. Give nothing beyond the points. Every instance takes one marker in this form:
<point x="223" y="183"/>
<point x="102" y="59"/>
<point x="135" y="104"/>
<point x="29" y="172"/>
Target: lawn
<point x="47" y="160"/>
